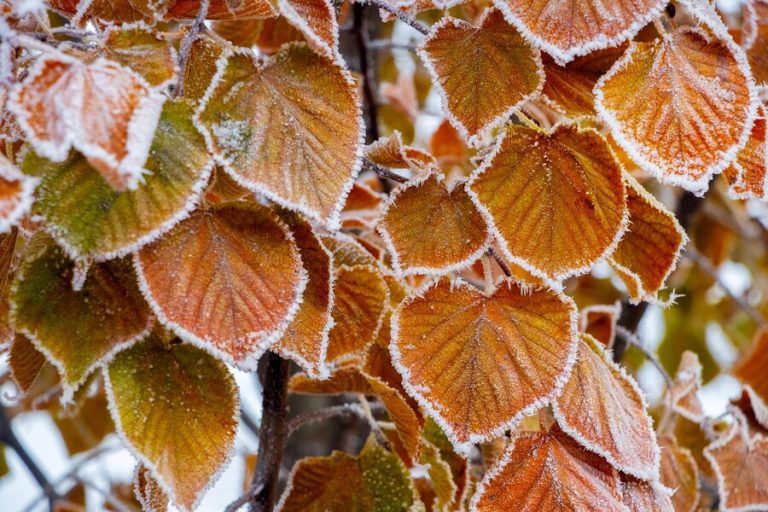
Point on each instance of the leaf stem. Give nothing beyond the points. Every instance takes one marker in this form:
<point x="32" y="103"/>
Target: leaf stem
<point x="321" y="414"/>
<point x="186" y="44"/>
<point x="633" y="340"/>
<point x="405" y="18"/>
<point x="383" y="172"/>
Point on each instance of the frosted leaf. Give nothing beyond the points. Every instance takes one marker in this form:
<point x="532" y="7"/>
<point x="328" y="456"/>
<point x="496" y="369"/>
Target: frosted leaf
<point x="316" y="19"/>
<point x="363" y="207"/>
<point x="747" y="176"/>
<point x="599" y="321"/>
<point x="392" y="153"/>
<point x="679" y="472"/>
<point x="16" y="195"/>
<point x="642" y="496"/>
<point x="751" y="371"/>
<point x="221" y="10"/>
<point x="685" y="388"/>
<point x="142" y="49"/>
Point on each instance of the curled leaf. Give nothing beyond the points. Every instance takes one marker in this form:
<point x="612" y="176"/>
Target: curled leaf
<point x="685" y="388"/>
<point x="16" y="194"/>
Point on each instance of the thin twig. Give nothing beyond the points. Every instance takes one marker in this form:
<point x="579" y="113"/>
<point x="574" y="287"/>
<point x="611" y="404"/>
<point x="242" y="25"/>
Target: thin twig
<point x="383" y="172"/>
<point x="242" y="500"/>
<point x="385" y="44"/>
<point x="368" y="415"/>
<point x="634" y="341"/>
<point x="249" y="422"/>
<point x="321" y="414"/>
<point x="500" y="262"/>
<point x="709" y="269"/>
<point x="405" y="18"/>
<point x="186" y="45"/>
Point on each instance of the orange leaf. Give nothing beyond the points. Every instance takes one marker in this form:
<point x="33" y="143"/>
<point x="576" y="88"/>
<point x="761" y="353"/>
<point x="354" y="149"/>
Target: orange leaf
<point x="567" y="30"/>
<point x="746" y="176"/>
<point x="483" y="73"/>
<point x="188" y="401"/>
<point x="479" y="362"/>
<point x="756" y="26"/>
<point x="352" y="380"/>
<point x="751" y="371"/>
<point x="641" y="496"/>
<point x="122" y="11"/>
<point x="305" y="340"/>
<point x="16" y="194"/>
<point x="555" y="199"/>
<point x="24" y="363"/>
<point x="316" y="19"/>
<point x="685" y="388"/>
<point x="456" y="234"/>
<point x="679" y="472"/>
<point x="144" y="51"/>
<point x="228" y="279"/>
<point x="310" y="162"/>
<point x="360" y="299"/>
<point x="149" y="493"/>
<point x="740" y="463"/>
<point x="548" y="471"/>
<point x="446" y="144"/>
<point x="681" y="106"/>
<point x="102" y="109"/>
<point x="361" y="211"/>
<point x="220" y="9"/>
<point x="605" y="411"/>
<point x="393" y="153"/>
<point x="347" y="251"/>
<point x="599" y="321"/>
<point x="649" y="250"/>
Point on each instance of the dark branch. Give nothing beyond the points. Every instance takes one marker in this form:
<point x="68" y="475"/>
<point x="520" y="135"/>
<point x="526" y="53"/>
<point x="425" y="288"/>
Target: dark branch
<point x="383" y="172"/>
<point x="405" y="18"/>
<point x="321" y="414"/>
<point x="500" y="262"/>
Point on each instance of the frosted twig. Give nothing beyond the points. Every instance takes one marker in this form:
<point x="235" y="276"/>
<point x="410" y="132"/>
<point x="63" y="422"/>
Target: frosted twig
<point x="249" y="422"/>
<point x="709" y="269"/>
<point x="186" y="45"/>
<point x="405" y="18"/>
<point x="633" y="340"/>
<point x="368" y="415"/>
<point x="299" y="421"/>
<point x="500" y="262"/>
<point x="384" y="44"/>
<point x="383" y="172"/>
<point x="242" y="500"/>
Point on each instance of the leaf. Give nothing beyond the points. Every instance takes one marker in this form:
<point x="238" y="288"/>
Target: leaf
<point x="228" y="279"/>
<point x="679" y="472"/>
<point x="548" y="471"/>
<point x="740" y="463"/>
<point x="149" y="493"/>
<point x="201" y="67"/>
<point x="681" y="106"/>
<point x="220" y="9"/>
<point x="268" y="34"/>
<point x="440" y="477"/>
<point x="310" y="162"/>
<point x="478" y="362"/>
<point x="8" y="242"/>
<point x="649" y="250"/>
<point x="457" y="235"/>
<point x="359" y="303"/>
<point x="188" y="401"/>
<point x="24" y="363"/>
<point x="685" y="388"/>
<point x="362" y="208"/>
<point x="757" y="48"/>
<point x="316" y="19"/>
<point x="123" y="11"/>
<point x="447" y="145"/>
<point x="305" y="340"/>
<point x="77" y="330"/>
<point x="642" y="496"/>
<point x="140" y="48"/>
<point x="604" y="410"/>
<point x="555" y="199"/>
<point x="102" y="109"/>
<point x="483" y="73"/>
<point x="352" y="380"/>
<point x="16" y="195"/>
<point x="374" y="481"/>
<point x="347" y="251"/>
<point x="87" y="427"/>
<point x="569" y="88"/>
<point x="599" y="321"/>
<point x="746" y="175"/>
<point x="392" y="152"/>
<point x="750" y="370"/>
<point x="90" y="219"/>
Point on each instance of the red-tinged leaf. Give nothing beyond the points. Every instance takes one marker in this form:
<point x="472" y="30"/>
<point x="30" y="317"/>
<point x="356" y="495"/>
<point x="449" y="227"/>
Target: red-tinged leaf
<point x="120" y="11"/>
<point x="347" y="251"/>
<point x="352" y="380"/>
<point x="555" y="198"/>
<point x="446" y="145"/>
<point x="268" y="34"/>
<point x="228" y="279"/>
<point x="478" y="362"/>
<point x="605" y="411"/>
<point x="148" y="492"/>
<point x="220" y="9"/>
<point x="746" y="176"/>
<point x="102" y="109"/>
<point x="374" y="481"/>
<point x="305" y="340"/>
<point x="8" y="262"/>
<point x="310" y="163"/>
<point x="92" y="220"/>
<point x="201" y="67"/>
<point x="457" y="234"/>
<point x="548" y="471"/>
<point x="679" y="472"/>
<point x="16" y="195"/>
<point x="649" y="250"/>
<point x="756" y="38"/>
<point x="599" y="321"/>
<point x="24" y="363"/>
<point x="188" y="401"/>
<point x="685" y="388"/>
<point x="483" y="73"/>
<point x="567" y="30"/>
<point x="362" y="209"/>
<point x="316" y="19"/>
<point x="569" y="88"/>
<point x="77" y="330"/>
<point x="140" y="48"/>
<point x="681" y="106"/>
<point x="391" y="152"/>
<point x="642" y="496"/>
<point x="740" y="462"/>
<point x="751" y="371"/>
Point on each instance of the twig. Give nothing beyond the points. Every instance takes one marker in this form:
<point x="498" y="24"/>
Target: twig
<point x="499" y="261"/>
<point x="405" y="18"/>
<point x="249" y="422"/>
<point x="368" y="415"/>
<point x="321" y="414"/>
<point x="272" y="435"/>
<point x="709" y="269"/>
<point x="633" y="340"/>
<point x="186" y="45"/>
<point x="384" y="44"/>
<point x="383" y="172"/>
<point x="242" y="500"/>
<point x="8" y="437"/>
<point x="367" y="70"/>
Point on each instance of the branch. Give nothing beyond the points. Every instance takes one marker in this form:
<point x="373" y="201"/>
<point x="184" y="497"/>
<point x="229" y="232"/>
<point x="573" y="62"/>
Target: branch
<point x="367" y="70"/>
<point x="383" y="172"/>
<point x="272" y="435"/>
<point x="633" y="340"/>
<point x="500" y="262"/>
<point x="709" y="269"/>
<point x="322" y="414"/>
<point x="186" y="45"/>
<point x="385" y="44"/>
<point x="405" y="18"/>
<point x="249" y="422"/>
